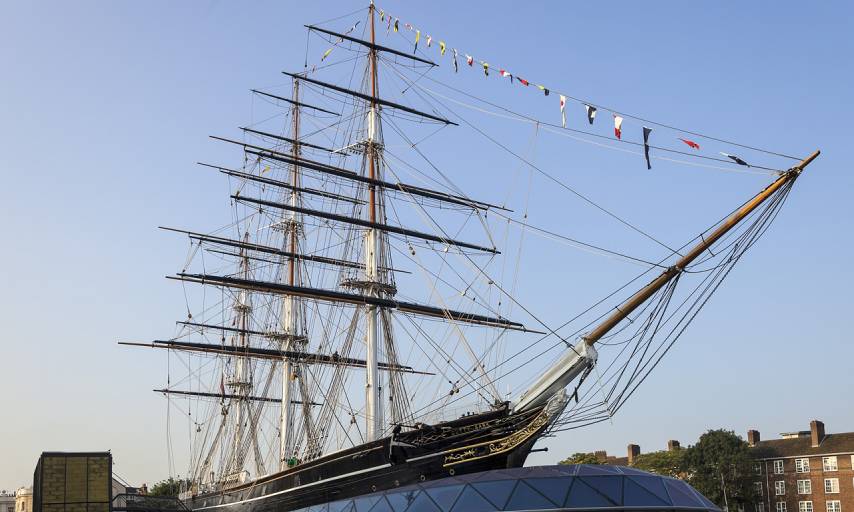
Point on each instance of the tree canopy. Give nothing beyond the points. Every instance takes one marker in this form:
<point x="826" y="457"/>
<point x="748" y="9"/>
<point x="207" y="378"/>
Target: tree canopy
<point x="720" y="467"/>
<point x="581" y="458"/>
<point x="169" y="487"/>
<point x="665" y="463"/>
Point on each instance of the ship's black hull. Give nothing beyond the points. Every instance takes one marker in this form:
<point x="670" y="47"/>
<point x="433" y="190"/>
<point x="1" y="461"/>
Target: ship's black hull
<point x="475" y="443"/>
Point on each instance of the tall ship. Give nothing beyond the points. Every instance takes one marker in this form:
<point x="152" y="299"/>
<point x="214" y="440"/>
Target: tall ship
<point x="359" y="325"/>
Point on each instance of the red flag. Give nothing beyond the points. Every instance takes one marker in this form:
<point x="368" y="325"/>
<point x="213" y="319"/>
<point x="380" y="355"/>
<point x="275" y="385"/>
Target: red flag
<point x="691" y="143"/>
<point x="523" y="81"/>
<point x="618" y="126"/>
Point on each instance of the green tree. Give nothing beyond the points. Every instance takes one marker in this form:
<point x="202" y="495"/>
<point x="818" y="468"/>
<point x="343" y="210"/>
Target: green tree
<point x="720" y="467"/>
<point x="666" y="463"/>
<point x="581" y="458"/>
<point x="169" y="487"/>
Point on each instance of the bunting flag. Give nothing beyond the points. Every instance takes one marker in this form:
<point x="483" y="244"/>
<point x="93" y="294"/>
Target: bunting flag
<point x="691" y="143"/>
<point x="265" y="169"/>
<point x="442" y="47"/>
<point x="523" y="81"/>
<point x="396" y="24"/>
<point x="417" y="38"/>
<point x="407" y="25"/>
<point x="456" y="66"/>
<point x="543" y="88"/>
<point x="563" y="110"/>
<point x="382" y="15"/>
<point x="735" y="159"/>
<point x="485" y="68"/>
<point x="469" y="59"/>
<point x="326" y="54"/>
<point x="646" y="132"/>
<point x="429" y="41"/>
<point x="591" y="113"/>
<point x="505" y="74"/>
<point x="618" y="126"/>
<point x="389" y="25"/>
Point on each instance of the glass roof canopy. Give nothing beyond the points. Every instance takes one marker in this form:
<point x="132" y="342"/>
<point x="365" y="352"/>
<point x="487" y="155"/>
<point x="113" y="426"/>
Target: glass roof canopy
<point x="567" y="488"/>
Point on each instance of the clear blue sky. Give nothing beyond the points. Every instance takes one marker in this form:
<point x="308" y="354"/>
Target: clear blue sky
<point x="106" y="106"/>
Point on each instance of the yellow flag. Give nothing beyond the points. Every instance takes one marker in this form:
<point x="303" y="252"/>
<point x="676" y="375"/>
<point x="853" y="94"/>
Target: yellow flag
<point x="396" y="22"/>
<point x="265" y="169"/>
<point x="326" y="54"/>
<point x="442" y="47"/>
<point x="382" y="15"/>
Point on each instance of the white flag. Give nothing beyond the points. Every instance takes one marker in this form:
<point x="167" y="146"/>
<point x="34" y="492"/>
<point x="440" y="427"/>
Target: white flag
<point x="563" y="110"/>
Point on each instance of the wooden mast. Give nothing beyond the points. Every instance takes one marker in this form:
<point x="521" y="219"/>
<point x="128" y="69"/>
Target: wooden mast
<point x="373" y="402"/>
<point x="647" y="291"/>
<point x="289" y="308"/>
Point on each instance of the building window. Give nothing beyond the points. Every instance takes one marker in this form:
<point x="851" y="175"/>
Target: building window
<point x="834" y="506"/>
<point x="829" y="463"/>
<point x="781" y="506"/>
<point x="757" y="467"/>
<point x="831" y="485"/>
<point x="804" y="506"/>
<point x="757" y="488"/>
<point x="804" y="487"/>
<point x="779" y="487"/>
<point x="778" y="467"/>
<point x="802" y="465"/>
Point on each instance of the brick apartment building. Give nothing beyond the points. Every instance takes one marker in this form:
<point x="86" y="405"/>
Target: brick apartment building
<point x="806" y="471"/>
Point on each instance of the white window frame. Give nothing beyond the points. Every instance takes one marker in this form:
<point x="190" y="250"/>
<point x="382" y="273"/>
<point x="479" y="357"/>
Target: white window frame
<point x="757" y="488"/>
<point x="805" y="506"/>
<point x="834" y="483"/>
<point x="804" y="486"/>
<point x="780" y="488"/>
<point x="802" y="465"/>
<point x="833" y="505"/>
<point x="757" y="467"/>
<point x="778" y="467"/>
<point x="830" y="463"/>
<point x="781" y="506"/>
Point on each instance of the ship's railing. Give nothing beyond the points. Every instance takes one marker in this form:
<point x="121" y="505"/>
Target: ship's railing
<point x="146" y="503"/>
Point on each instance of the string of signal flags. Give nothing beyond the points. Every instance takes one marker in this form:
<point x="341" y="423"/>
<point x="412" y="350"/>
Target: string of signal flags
<point x="394" y="25"/>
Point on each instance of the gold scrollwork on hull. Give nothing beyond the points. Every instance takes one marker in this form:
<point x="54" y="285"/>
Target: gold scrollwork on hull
<point x="498" y="446"/>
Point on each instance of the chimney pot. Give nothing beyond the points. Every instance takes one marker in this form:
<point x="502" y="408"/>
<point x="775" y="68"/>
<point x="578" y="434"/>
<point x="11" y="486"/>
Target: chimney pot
<point x="816" y="432"/>
<point x="752" y="437"/>
<point x="673" y="445"/>
<point x="633" y="452"/>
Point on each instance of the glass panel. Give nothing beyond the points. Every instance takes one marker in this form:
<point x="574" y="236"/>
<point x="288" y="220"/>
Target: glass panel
<point x="654" y="485"/>
<point x="341" y="506"/>
<point x="525" y="498"/>
<point x="554" y="489"/>
<point x="382" y="506"/>
<point x="635" y="495"/>
<point x="471" y="501"/>
<point x="400" y="500"/>
<point x="609" y="486"/>
<point x="597" y="469"/>
<point x="366" y="503"/>
<point x="423" y="503"/>
<point x="681" y="495"/>
<point x="582" y="495"/>
<point x="497" y="492"/>
<point x="445" y="496"/>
